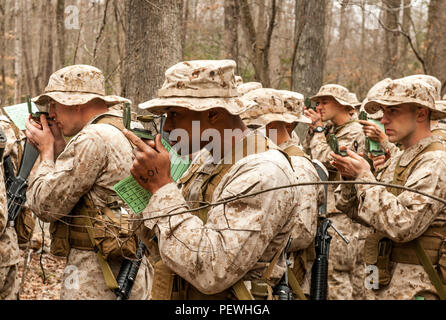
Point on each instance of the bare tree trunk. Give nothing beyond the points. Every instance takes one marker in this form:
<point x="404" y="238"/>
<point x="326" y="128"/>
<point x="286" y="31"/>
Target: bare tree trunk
<point x="436" y="44"/>
<point x="391" y="20"/>
<point x="309" y="62"/>
<point x="404" y="45"/>
<point x="18" y="53"/>
<point x="2" y="52"/>
<point x="60" y="27"/>
<point x="153" y="44"/>
<point x="259" y="39"/>
<point x="231" y="29"/>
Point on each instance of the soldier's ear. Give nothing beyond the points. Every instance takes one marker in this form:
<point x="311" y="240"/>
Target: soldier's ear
<point x="423" y="114"/>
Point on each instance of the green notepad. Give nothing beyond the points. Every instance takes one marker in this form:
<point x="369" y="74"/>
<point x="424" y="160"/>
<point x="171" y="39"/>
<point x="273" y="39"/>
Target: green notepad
<point x="135" y="196"/>
<point x="375" y="146"/>
<point x="19" y="114"/>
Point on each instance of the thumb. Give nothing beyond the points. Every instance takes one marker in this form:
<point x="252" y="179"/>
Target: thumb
<point x="44" y="122"/>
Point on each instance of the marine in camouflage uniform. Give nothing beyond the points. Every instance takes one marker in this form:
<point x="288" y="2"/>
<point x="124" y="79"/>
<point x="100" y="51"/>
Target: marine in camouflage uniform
<point x="225" y="251"/>
<point x="402" y="219"/>
<point x="81" y="174"/>
<point x="9" y="249"/>
<point x="334" y="104"/>
<point x="277" y="113"/>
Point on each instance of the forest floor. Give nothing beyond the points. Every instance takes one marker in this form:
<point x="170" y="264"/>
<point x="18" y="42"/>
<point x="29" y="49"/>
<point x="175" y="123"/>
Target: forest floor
<point x="34" y="286"/>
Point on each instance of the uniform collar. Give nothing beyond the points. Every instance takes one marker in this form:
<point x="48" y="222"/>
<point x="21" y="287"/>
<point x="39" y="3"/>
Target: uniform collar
<point x="111" y="112"/>
<point x="410" y="153"/>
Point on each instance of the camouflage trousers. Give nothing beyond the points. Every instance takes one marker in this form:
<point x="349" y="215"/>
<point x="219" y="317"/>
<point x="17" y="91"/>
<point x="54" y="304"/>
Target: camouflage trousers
<point x="342" y="259"/>
<point x="83" y="279"/>
<point x="9" y="284"/>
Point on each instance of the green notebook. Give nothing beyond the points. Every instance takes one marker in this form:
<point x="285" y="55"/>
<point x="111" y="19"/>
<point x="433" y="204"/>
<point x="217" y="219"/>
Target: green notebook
<point x="135" y="196"/>
<point x="375" y="146"/>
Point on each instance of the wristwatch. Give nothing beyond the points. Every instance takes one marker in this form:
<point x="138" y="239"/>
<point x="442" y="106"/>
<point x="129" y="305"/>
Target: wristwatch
<point x="318" y="129"/>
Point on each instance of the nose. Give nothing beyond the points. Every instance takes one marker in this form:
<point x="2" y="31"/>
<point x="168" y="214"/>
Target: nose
<point x="385" y="119"/>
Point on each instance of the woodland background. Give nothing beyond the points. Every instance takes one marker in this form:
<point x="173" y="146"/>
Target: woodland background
<point x="287" y="44"/>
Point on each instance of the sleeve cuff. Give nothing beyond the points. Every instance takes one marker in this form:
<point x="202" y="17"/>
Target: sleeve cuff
<point x="166" y="200"/>
<point x="365" y="176"/>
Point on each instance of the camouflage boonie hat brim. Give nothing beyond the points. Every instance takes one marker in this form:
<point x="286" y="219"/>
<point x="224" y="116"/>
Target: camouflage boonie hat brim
<point x="244" y="88"/>
<point x="235" y="106"/>
<point x="77" y="85"/>
<point x="268" y="118"/>
<point x="76" y="98"/>
<point x="199" y="85"/>
<point x="271" y="107"/>
<point x="338" y="93"/>
<point x="390" y="92"/>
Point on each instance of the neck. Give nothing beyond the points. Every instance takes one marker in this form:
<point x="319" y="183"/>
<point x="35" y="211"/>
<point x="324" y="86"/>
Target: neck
<point x="416" y="137"/>
<point x="341" y="118"/>
<point x="90" y="112"/>
<point x="281" y="132"/>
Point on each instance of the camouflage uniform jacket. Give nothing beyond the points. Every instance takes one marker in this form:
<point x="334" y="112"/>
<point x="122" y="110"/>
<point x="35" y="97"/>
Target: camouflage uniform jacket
<point x="239" y="238"/>
<point x="9" y="248"/>
<point x="94" y="160"/>
<point x="405" y="217"/>
<point x="349" y="135"/>
<point x="310" y="198"/>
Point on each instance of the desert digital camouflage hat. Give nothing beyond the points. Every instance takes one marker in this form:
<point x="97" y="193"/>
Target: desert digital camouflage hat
<point x="390" y="92"/>
<point x="238" y="80"/>
<point x="244" y="88"/>
<point x="339" y="93"/>
<point x="431" y="80"/>
<point x="77" y="85"/>
<point x="199" y="85"/>
<point x="274" y="105"/>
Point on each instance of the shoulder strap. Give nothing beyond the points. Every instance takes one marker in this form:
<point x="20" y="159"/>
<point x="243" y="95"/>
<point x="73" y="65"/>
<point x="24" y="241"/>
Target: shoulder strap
<point x="401" y="173"/>
<point x="115" y="121"/>
<point x="294" y="151"/>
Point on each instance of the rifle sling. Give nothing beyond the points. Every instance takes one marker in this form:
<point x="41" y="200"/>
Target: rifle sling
<point x="110" y="279"/>
<point x="429" y="268"/>
<point x="294" y="284"/>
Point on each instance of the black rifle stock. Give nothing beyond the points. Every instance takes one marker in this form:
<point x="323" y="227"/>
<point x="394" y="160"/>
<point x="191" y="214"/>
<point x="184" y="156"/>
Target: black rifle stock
<point x="282" y="289"/>
<point x="127" y="274"/>
<point x="319" y="272"/>
<point x="16" y="192"/>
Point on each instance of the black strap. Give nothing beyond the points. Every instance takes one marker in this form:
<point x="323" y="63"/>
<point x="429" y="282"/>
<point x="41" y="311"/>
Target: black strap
<point x="324" y="177"/>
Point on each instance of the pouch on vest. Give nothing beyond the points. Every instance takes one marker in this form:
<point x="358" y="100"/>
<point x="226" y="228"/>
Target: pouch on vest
<point x="24" y="226"/>
<point x="112" y="236"/>
<point x="377" y="251"/>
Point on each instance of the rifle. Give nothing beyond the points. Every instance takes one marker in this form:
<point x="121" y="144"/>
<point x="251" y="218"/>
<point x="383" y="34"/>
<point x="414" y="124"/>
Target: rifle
<point x="319" y="271"/>
<point x="17" y="185"/>
<point x="16" y="192"/>
<point x="371" y="146"/>
<point x="129" y="268"/>
<point x="282" y="289"/>
<point x="127" y="274"/>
